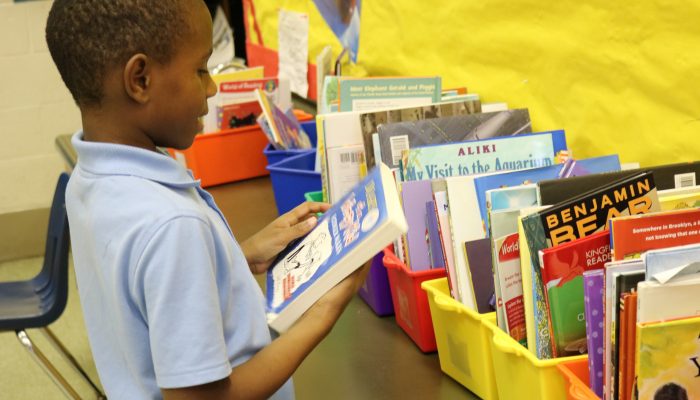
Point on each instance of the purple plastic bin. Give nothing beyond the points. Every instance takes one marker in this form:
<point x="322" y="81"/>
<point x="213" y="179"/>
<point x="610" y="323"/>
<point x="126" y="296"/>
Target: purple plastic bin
<point x="376" y="291"/>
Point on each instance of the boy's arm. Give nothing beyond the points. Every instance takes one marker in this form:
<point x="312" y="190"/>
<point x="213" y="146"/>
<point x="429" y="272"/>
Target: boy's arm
<point x="262" y="375"/>
<point x="262" y="248"/>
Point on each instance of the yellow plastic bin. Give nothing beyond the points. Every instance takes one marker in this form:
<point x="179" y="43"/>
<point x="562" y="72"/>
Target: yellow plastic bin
<point x="463" y="341"/>
<point x="520" y="375"/>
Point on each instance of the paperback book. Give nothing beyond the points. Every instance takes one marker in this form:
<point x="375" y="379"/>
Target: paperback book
<point x="350" y="233"/>
<point x="593" y="306"/>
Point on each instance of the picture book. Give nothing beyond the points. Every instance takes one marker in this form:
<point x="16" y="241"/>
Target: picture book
<point x="442" y="207"/>
<point x="511" y="197"/>
<point x="665" y="177"/>
<point x="508" y="282"/>
<point x="482" y="156"/>
<point x="593" y="307"/>
<point x="230" y="93"/>
<point x="681" y="201"/>
<point x="478" y="257"/>
<point x="668" y="359"/>
<point x="399" y="135"/>
<point x="370" y="121"/>
<point x="237" y="115"/>
<point x="562" y="274"/>
<point x="663" y="264"/>
<point x="581" y="216"/>
<point x="635" y="234"/>
<point x="674" y="298"/>
<point x="414" y="196"/>
<point x="534" y="175"/>
<point x="624" y="283"/>
<point x="210" y="120"/>
<point x="612" y="270"/>
<point x="533" y="294"/>
<point x="351" y="232"/>
<point x="364" y="94"/>
<point x="437" y="256"/>
<point x="285" y="129"/>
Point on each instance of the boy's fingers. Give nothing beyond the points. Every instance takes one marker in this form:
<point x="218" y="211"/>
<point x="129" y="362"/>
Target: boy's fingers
<point x="306" y="208"/>
<point x="303" y="227"/>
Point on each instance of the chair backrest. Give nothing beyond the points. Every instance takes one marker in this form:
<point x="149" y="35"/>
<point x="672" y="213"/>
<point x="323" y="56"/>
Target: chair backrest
<point x="51" y="283"/>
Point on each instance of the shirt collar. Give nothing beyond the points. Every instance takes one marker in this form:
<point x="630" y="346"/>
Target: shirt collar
<point x="117" y="159"/>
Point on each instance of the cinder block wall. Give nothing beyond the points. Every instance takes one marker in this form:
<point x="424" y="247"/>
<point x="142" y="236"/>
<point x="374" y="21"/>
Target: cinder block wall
<point x="35" y="107"/>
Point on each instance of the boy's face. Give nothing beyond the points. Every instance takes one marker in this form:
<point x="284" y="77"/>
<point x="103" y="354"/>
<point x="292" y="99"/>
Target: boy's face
<point x="181" y="87"/>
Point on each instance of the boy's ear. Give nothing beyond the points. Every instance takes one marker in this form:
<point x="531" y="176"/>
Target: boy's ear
<point x="137" y="77"/>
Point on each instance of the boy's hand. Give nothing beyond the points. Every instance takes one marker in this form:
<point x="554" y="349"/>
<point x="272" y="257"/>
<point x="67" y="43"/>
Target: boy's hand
<point x="262" y="248"/>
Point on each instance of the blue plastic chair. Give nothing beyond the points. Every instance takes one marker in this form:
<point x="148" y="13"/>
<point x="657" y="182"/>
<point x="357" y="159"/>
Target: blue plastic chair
<point x="38" y="302"/>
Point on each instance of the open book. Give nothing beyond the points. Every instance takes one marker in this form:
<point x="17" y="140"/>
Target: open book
<point x="353" y="230"/>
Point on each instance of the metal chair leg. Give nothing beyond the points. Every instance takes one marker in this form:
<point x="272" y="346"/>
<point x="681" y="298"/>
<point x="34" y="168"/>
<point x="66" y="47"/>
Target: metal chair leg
<point x="58" y="345"/>
<point x="46" y="365"/>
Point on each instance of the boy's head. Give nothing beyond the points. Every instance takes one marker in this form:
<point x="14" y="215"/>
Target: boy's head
<point x="145" y="58"/>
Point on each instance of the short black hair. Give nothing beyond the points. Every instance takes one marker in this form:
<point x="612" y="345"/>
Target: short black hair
<point x="88" y="37"/>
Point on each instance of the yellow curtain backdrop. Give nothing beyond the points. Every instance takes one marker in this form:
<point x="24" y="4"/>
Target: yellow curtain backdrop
<point x="619" y="77"/>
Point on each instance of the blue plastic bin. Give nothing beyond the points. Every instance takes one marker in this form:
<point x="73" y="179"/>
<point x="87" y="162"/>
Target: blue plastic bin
<point x="274" y="156"/>
<point x="292" y="178"/>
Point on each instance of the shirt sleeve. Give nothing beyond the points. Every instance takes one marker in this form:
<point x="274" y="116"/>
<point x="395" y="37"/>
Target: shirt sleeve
<point x="175" y="287"/>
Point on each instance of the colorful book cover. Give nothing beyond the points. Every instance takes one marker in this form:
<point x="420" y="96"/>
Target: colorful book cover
<point x="483" y="156"/>
<point x="633" y="235"/>
<point x="365" y="94"/>
<point x="593" y="308"/>
<point x="396" y="143"/>
<point x="668" y="359"/>
<point x="680" y="201"/>
<point x="511" y="197"/>
<point x="285" y="128"/>
<point x="478" y="256"/>
<point x="579" y="217"/>
<point x="562" y="274"/>
<point x="414" y="196"/>
<point x="526" y="176"/>
<point x="351" y="232"/>
<point x="237" y="115"/>
<point x="436" y="127"/>
<point x="506" y="262"/>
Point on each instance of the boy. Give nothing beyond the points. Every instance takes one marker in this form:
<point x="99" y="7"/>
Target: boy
<point x="170" y="305"/>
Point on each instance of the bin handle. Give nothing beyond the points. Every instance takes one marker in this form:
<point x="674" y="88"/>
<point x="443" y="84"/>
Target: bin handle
<point x="443" y="302"/>
<point x="577" y="391"/>
<point x="505" y="347"/>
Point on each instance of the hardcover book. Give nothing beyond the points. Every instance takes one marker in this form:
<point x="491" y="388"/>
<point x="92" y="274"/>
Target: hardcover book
<point x="579" y="217"/>
<point x="670" y="298"/>
<point x="478" y="256"/>
<point x="624" y="283"/>
<point x="666" y="177"/>
<point x="442" y="207"/>
<point x="482" y="156"/>
<point x="285" y="129"/>
<point x="595" y="323"/>
<point x="534" y="175"/>
<point x="562" y="274"/>
<point x="628" y="340"/>
<point x="396" y="136"/>
<point x="633" y="235"/>
<point x="668" y="359"/>
<point x="351" y="232"/>
<point x="437" y="256"/>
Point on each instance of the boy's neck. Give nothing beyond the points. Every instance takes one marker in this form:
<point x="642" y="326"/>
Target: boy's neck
<point x="111" y="126"/>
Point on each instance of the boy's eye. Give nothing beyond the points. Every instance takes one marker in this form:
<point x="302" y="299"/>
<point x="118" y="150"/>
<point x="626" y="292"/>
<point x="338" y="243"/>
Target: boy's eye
<point x="203" y="71"/>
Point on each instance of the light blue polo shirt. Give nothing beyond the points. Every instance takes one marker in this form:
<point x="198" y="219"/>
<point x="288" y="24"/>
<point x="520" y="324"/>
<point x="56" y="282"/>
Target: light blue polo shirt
<point x="168" y="298"/>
